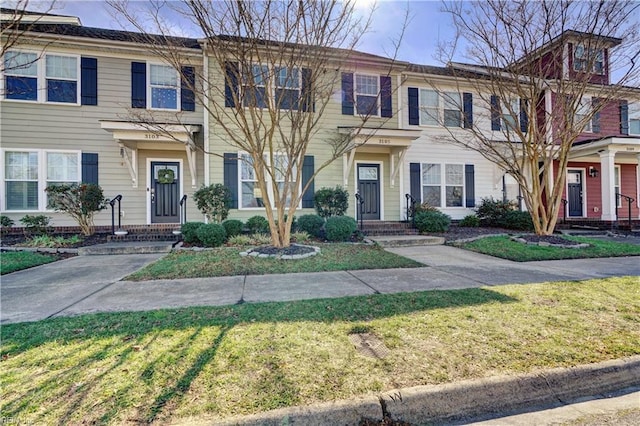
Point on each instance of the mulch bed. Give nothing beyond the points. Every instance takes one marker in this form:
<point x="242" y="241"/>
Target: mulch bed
<point x="20" y="239"/>
<point x="549" y="239"/>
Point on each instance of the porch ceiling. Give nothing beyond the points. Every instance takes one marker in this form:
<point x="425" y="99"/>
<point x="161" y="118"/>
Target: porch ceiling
<point x="624" y="148"/>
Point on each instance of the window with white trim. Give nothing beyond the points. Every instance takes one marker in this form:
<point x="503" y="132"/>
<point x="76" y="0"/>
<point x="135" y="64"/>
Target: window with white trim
<point x="588" y="59"/>
<point x="634" y="118"/>
<point x="250" y="194"/>
<point x="366" y="93"/>
<point x="443" y="184"/>
<point x="510" y="114"/>
<point x="616" y="185"/>
<point x="429" y="107"/>
<point x="163" y="87"/>
<point x="440" y="108"/>
<point x="583" y="109"/>
<point x="288" y="83"/>
<point x="46" y="78"/>
<point x="28" y="172"/>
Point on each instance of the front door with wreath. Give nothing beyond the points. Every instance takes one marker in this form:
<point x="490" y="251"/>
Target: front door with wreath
<point x="165" y="192"/>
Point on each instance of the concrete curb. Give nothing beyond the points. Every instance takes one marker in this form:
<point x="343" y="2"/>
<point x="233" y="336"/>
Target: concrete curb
<point x="457" y="401"/>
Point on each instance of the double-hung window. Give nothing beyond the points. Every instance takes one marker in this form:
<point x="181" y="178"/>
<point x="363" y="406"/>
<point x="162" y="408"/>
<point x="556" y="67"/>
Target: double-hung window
<point x="164" y="87"/>
<point x="510" y="114"/>
<point x="366" y="93"/>
<point x="429" y="107"/>
<point x="250" y="195"/>
<point x="583" y="109"/>
<point x="443" y="184"/>
<point x="48" y="78"/>
<point x="28" y="172"/>
<point x="254" y="86"/>
<point x="588" y="59"/>
<point x="452" y="109"/>
<point x="444" y="108"/>
<point x="634" y="118"/>
<point x="287" y="88"/>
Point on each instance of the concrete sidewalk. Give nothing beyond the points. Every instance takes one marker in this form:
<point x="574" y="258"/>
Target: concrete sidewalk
<point x="88" y="284"/>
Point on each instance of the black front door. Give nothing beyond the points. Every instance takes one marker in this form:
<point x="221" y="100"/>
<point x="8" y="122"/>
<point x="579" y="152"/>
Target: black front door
<point x="165" y="191"/>
<point x="369" y="190"/>
<point x="574" y="192"/>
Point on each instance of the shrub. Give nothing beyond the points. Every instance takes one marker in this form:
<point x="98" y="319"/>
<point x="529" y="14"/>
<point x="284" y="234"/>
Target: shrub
<point x="211" y="234"/>
<point x="36" y="225"/>
<point x="5" y="223"/>
<point x="491" y="212"/>
<point x="239" y="240"/>
<point x="189" y="232"/>
<point x="340" y="228"/>
<point x="300" y="237"/>
<point x="258" y="224"/>
<point x="261" y="238"/>
<point x="81" y="202"/>
<point x="52" y="242"/>
<point x="331" y="201"/>
<point x="214" y="201"/>
<point x="432" y="221"/>
<point x="233" y="227"/>
<point x="517" y="220"/>
<point x="470" y="221"/>
<point x="425" y="207"/>
<point x="311" y="224"/>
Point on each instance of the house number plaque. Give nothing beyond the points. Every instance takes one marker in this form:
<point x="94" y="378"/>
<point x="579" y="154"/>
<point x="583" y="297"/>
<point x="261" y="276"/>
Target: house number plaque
<point x="150" y="136"/>
<point x="384" y="141"/>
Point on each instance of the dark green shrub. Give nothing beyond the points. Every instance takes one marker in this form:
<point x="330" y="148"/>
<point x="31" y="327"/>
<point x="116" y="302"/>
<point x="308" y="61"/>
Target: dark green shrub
<point x="36" y="225"/>
<point x="81" y="202"/>
<point x="311" y="224"/>
<point x="233" y="227"/>
<point x="212" y="234"/>
<point x="340" y="228"/>
<point x="491" y="212"/>
<point x="214" y="201"/>
<point x="470" y="221"/>
<point x="6" y="221"/>
<point x="517" y="220"/>
<point x="190" y="232"/>
<point x="258" y="225"/>
<point x="424" y="207"/>
<point x="432" y="221"/>
<point x="331" y="201"/>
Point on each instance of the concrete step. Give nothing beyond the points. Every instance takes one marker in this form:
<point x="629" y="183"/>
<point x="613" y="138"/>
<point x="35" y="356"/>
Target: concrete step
<point x="130" y="247"/>
<point x="407" y="240"/>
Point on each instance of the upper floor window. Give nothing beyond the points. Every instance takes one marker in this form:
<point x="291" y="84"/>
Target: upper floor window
<point x="509" y="113"/>
<point x="634" y="119"/>
<point x="161" y="86"/>
<point x="583" y="109"/>
<point x="49" y="78"/>
<point x="254" y="86"/>
<point x="588" y="59"/>
<point x="444" y="108"/>
<point x="164" y="87"/>
<point x="366" y="93"/>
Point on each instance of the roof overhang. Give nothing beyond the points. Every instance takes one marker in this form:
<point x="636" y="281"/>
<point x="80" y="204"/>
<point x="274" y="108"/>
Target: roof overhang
<point x="622" y="146"/>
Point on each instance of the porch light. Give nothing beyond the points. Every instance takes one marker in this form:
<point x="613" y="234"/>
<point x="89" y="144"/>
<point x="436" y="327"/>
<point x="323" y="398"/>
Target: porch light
<point x="593" y="172"/>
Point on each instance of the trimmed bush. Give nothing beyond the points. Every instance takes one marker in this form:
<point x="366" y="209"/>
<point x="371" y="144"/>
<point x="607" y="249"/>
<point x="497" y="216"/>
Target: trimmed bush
<point x="214" y="201"/>
<point x="517" y="220"/>
<point x="432" y="221"/>
<point x="233" y="227"/>
<point x="470" y="221"/>
<point x="81" y="202"/>
<point x="491" y="212"/>
<point x="36" y="224"/>
<point x="190" y="232"/>
<point x="340" y="228"/>
<point x="212" y="235"/>
<point x="331" y="201"/>
<point x="258" y="225"/>
<point x="425" y="207"/>
<point x="311" y="224"/>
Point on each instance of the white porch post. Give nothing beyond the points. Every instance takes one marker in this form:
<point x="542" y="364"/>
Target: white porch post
<point x="607" y="158"/>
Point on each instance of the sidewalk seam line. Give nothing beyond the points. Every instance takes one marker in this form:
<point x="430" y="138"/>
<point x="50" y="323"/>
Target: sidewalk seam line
<point x="82" y="299"/>
<point x="375" y="291"/>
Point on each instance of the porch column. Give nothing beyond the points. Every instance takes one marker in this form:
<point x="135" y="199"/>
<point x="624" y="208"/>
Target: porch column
<point x="608" y="193"/>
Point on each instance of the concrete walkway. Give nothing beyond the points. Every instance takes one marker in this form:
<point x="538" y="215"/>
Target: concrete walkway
<point x="88" y="284"/>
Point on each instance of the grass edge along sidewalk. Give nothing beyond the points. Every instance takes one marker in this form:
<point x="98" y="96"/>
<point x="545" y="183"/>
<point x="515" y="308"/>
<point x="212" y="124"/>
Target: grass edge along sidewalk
<point x="219" y="362"/>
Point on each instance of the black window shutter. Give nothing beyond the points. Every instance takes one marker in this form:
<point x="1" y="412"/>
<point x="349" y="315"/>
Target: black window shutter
<point x="386" y="102"/>
<point x="495" y="113"/>
<point x="138" y="85"/>
<point x="524" y="115"/>
<point x="624" y="117"/>
<point x="88" y="81"/>
<point x="467" y="109"/>
<point x="187" y="82"/>
<point x="414" y="111"/>
<point x="347" y="93"/>
<point x="308" y="103"/>
<point x="595" y="119"/>
<point x="308" y="168"/>
<point x="415" y="182"/>
<point x="230" y="170"/>
<point x="469" y="185"/>
<point x="231" y="84"/>
<point x="89" y="168"/>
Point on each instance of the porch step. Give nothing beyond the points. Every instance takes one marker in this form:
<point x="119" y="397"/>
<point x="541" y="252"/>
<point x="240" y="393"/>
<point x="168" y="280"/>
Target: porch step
<point x="147" y="234"/>
<point x="379" y="228"/>
<point x="408" y="240"/>
<point x="139" y="247"/>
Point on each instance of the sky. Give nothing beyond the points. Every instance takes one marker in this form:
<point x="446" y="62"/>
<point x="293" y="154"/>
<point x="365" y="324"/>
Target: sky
<point x="427" y="25"/>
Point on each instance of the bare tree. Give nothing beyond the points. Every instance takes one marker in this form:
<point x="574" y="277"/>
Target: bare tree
<point x="534" y="101"/>
<point x="274" y="69"/>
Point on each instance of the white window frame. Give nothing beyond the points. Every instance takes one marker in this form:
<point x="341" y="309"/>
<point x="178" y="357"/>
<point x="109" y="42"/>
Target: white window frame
<point x="42" y="176"/>
<point x="593" y="55"/>
<point x="634" y="115"/>
<point x="150" y="87"/>
<point x="242" y="154"/>
<point x="583" y="109"/>
<point x="617" y="184"/>
<point x="444" y="184"/>
<point x="375" y="113"/>
<point x="437" y="112"/>
<point x="271" y="84"/>
<point x="41" y="76"/>
<point x="506" y="115"/>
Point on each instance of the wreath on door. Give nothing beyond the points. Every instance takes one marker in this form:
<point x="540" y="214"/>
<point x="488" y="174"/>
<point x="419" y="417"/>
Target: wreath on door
<point x="166" y="176"/>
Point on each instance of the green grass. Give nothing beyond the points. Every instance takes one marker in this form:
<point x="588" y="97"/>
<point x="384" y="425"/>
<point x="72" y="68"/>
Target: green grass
<point x="507" y="249"/>
<point x="227" y="261"/>
<point x="161" y="366"/>
<point x="18" y="260"/>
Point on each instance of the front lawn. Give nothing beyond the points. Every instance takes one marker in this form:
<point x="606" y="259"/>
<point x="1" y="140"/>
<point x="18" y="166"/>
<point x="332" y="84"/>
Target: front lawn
<point x="11" y="261"/>
<point x="134" y="368"/>
<point x="227" y="261"/>
<point x="505" y="248"/>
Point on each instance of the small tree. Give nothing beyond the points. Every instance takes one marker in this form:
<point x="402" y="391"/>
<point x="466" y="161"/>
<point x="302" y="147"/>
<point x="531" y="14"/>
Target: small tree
<point x="213" y="201"/>
<point x="331" y="201"/>
<point x="81" y="202"/>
